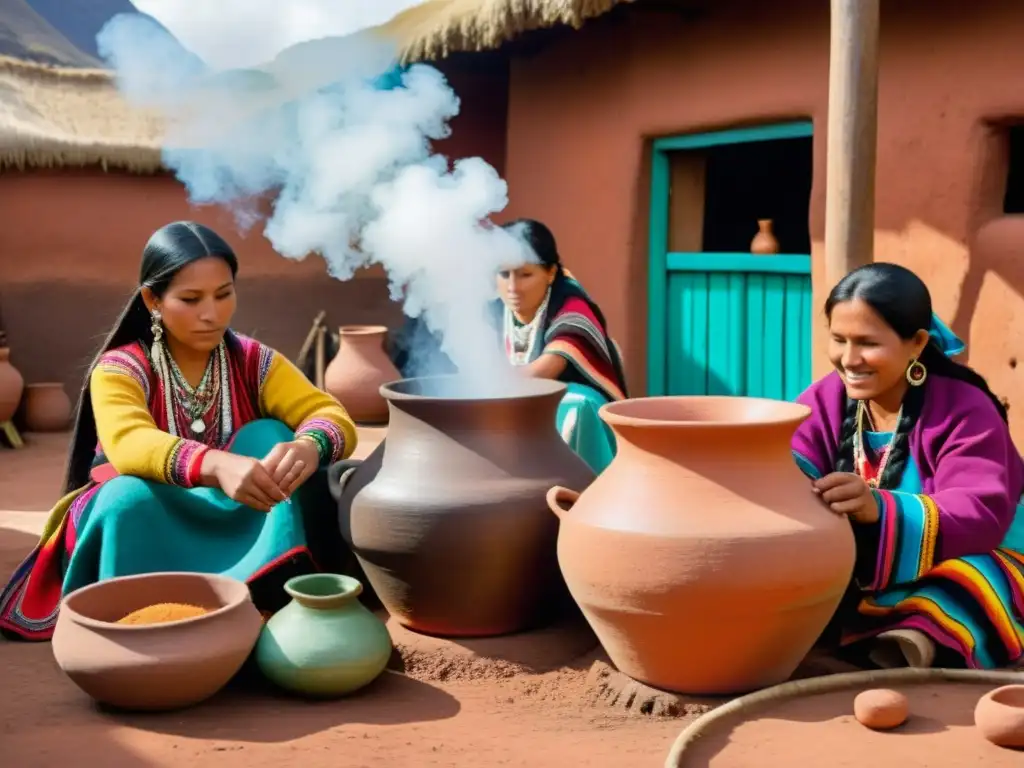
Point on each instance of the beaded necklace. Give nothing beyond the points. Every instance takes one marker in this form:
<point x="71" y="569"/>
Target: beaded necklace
<point x="860" y="458"/>
<point x="521" y="339"/>
<point x="204" y="410"/>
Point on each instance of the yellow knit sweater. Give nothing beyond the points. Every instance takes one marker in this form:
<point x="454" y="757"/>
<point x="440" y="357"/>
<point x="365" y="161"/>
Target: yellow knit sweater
<point x="134" y="445"/>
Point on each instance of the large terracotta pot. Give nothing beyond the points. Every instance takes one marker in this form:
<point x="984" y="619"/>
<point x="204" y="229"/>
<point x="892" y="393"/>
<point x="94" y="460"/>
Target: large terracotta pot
<point x="358" y="371"/>
<point x="700" y="556"/>
<point x="47" y="408"/>
<point x="447" y="516"/>
<point x="11" y="386"/>
<point x="155" y="666"/>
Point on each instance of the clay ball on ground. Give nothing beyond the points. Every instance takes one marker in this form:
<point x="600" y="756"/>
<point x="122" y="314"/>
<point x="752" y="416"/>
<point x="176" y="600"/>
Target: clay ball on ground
<point x="881" y="709"/>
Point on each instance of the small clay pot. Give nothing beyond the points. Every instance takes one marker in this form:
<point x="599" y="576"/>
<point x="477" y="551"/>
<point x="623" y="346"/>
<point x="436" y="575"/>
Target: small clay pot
<point x="1000" y="716"/>
<point x="764" y="243"/>
<point x="47" y="407"/>
<point x="359" y="370"/>
<point x="324" y="643"/>
<point x="155" y="666"/>
<point x="11" y="386"/>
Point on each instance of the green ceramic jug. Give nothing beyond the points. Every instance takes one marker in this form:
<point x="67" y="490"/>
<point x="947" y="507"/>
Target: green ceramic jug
<point x="324" y="643"/>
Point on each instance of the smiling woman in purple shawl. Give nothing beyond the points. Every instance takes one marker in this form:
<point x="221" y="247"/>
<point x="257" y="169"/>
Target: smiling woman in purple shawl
<point x="914" y="449"/>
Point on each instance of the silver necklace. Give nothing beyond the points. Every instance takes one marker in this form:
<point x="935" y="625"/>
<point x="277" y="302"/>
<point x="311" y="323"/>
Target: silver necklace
<point x="523" y="338"/>
<point x="195" y="401"/>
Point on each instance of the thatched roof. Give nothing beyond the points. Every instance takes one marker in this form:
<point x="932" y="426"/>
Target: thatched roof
<point x="61" y="117"/>
<point x="55" y="117"/>
<point x="437" y="28"/>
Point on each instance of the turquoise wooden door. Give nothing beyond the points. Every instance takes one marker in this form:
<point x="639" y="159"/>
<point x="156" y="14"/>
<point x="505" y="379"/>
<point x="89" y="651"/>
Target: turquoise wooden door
<point x="737" y="324"/>
<point x="725" y="323"/>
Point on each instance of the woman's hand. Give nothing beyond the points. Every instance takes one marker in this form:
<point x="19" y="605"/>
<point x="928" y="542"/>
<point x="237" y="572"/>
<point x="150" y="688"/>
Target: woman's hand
<point x="291" y="464"/>
<point x="848" y="494"/>
<point x="241" y="478"/>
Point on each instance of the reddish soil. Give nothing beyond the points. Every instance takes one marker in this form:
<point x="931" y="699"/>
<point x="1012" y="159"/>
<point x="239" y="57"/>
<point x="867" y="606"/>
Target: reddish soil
<point x="455" y="707"/>
<point x="30" y="478"/>
<point x="939" y="732"/>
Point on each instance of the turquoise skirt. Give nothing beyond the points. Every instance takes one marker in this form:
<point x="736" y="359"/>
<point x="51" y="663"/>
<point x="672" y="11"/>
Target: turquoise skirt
<point x="582" y="429"/>
<point x="132" y="526"/>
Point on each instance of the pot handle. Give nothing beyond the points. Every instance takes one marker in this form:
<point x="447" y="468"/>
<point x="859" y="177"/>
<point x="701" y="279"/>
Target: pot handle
<point x="338" y="474"/>
<point x="559" y="495"/>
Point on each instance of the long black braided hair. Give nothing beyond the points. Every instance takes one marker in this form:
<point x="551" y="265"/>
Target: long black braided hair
<point x="170" y="249"/>
<point x="902" y="300"/>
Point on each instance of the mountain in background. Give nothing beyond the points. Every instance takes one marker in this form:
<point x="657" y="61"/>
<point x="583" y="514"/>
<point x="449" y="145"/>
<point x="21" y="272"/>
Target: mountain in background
<point x="80" y="20"/>
<point x="24" y="34"/>
<point x="60" y="33"/>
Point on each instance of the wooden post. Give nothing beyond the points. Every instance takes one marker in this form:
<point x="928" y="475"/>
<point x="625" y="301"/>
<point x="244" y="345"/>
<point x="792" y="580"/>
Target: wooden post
<point x="852" y="137"/>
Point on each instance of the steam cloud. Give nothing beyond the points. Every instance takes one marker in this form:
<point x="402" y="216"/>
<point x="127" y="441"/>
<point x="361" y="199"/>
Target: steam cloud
<point x="339" y="139"/>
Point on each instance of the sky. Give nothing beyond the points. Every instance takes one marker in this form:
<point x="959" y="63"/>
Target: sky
<point x="243" y="33"/>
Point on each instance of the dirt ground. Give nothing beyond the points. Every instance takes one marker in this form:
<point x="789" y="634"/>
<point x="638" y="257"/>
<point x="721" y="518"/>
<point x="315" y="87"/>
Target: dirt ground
<point x="536" y="720"/>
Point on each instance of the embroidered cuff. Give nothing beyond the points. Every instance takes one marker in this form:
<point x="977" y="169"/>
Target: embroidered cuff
<point x="908" y="530"/>
<point x="330" y="442"/>
<point x="184" y="462"/>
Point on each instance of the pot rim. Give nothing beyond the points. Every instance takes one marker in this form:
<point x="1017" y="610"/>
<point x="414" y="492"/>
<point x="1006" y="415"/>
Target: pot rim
<point x="994" y="697"/>
<point x="532" y="389"/>
<point x="783" y="412"/>
<point x="346" y="587"/>
<point x="106" y="626"/>
<point x="361" y="330"/>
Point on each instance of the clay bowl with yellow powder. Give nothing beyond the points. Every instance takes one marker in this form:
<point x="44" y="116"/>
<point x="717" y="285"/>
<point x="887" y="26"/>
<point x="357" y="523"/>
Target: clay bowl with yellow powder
<point x="158" y="641"/>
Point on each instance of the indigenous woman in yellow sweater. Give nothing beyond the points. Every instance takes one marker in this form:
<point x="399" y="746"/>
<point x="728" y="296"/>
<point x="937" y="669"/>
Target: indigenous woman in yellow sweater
<point x="192" y="448"/>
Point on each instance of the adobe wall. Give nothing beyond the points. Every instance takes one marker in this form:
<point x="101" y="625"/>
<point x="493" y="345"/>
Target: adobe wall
<point x="582" y="111"/>
<point x="71" y="241"/>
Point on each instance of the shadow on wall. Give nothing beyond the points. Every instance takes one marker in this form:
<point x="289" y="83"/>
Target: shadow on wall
<point x="990" y="304"/>
<point x="55" y="328"/>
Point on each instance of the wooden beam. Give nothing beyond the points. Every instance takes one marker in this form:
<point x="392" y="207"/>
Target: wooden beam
<point x="852" y="137"/>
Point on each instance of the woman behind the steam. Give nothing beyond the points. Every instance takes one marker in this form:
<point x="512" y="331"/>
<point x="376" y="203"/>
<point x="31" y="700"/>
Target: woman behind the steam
<point x="552" y="329"/>
<point x="192" y="448"/>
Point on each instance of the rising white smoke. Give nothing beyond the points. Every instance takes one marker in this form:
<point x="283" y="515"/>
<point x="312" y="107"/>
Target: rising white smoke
<point x="339" y="140"/>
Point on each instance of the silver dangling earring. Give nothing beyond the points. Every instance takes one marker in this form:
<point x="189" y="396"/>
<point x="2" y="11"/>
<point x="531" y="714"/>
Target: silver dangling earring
<point x="157" y="327"/>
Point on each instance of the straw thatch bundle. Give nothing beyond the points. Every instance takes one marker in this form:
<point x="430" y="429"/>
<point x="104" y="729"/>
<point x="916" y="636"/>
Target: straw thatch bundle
<point x="53" y="117"/>
<point x="436" y="28"/>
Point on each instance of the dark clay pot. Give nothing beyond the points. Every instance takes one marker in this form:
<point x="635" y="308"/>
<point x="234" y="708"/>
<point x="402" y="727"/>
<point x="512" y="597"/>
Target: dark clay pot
<point x="448" y="515"/>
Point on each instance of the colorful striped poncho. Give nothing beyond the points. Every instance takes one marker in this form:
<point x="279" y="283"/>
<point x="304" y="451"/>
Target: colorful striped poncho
<point x="946" y="556"/>
<point x="574" y="328"/>
<point x="135" y="440"/>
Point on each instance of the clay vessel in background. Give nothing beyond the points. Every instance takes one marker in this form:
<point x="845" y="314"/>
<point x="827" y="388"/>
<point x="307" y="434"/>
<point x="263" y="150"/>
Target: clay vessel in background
<point x="156" y="666"/>
<point x="324" y="643"/>
<point x="358" y="371"/>
<point x="1000" y="716"/>
<point x="47" y="408"/>
<point x="11" y="386"/>
<point x="700" y="556"/>
<point x="448" y="516"/>
<point x="764" y="242"/>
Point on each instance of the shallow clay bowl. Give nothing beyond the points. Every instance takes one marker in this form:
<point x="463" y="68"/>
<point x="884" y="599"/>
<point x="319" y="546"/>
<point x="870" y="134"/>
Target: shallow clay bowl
<point x="155" y="666"/>
<point x="1000" y="716"/>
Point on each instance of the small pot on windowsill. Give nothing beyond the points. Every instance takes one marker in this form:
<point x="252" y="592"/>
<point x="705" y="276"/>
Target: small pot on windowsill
<point x="764" y="243"/>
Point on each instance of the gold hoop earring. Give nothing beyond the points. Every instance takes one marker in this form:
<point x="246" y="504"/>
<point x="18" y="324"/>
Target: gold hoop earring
<point x="916" y="373"/>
